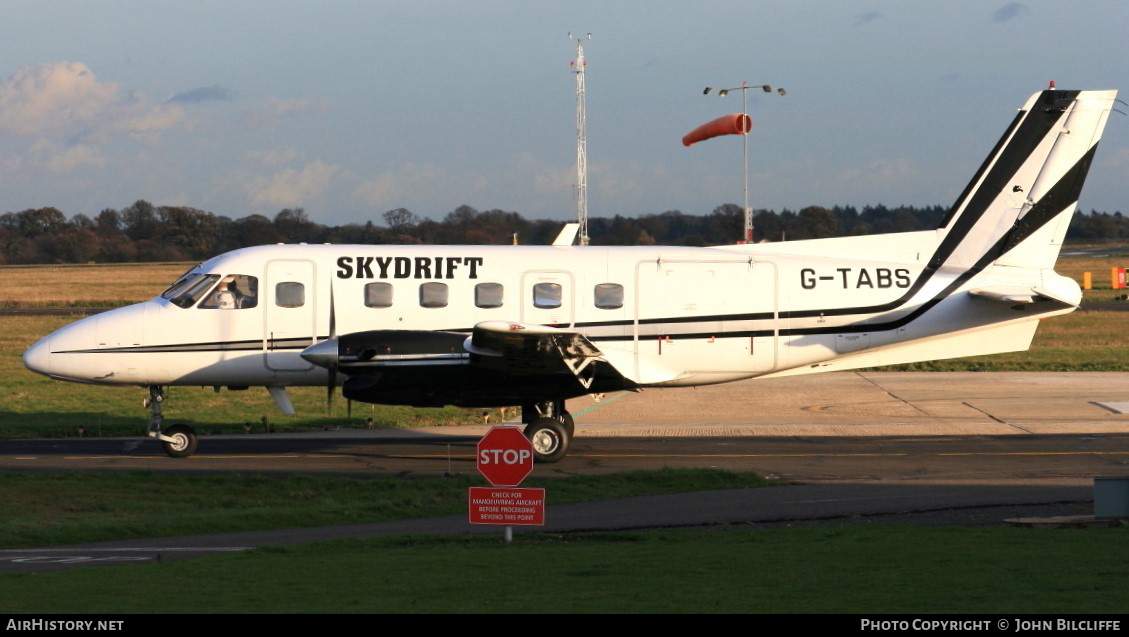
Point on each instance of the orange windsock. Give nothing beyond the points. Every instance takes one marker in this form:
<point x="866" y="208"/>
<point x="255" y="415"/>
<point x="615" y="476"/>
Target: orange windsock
<point x="735" y="124"/>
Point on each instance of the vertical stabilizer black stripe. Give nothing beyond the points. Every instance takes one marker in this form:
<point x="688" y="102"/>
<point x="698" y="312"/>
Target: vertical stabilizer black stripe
<point x="1064" y="193"/>
<point x="1042" y="117"/>
<point x="980" y="171"/>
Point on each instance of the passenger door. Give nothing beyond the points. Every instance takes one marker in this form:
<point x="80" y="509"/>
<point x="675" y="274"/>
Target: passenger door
<point x="290" y="299"/>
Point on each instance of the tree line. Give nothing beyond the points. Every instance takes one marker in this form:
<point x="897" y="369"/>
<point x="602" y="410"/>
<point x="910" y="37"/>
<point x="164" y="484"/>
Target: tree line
<point x="143" y="232"/>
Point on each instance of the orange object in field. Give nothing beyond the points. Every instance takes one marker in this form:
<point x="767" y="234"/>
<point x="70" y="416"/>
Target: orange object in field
<point x="735" y="124"/>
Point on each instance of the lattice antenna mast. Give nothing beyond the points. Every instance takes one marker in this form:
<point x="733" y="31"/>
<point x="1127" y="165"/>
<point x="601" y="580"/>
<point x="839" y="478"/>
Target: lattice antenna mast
<point x="581" y="142"/>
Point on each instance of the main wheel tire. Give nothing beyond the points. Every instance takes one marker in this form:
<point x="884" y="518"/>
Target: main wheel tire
<point x="570" y="425"/>
<point x="550" y="439"/>
<point x="183" y="443"/>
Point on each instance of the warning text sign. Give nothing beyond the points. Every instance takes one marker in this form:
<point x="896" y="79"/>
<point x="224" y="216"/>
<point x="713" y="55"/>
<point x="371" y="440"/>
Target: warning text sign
<point x="506" y="505"/>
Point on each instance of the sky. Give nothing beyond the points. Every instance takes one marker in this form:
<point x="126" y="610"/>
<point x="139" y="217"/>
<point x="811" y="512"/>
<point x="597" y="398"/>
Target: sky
<point x="352" y="108"/>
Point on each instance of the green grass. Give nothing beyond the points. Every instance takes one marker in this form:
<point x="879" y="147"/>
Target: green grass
<point x="75" y="507"/>
<point x="857" y="569"/>
<point x="843" y="569"/>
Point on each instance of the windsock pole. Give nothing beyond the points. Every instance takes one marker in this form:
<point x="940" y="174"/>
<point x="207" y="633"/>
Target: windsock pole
<point x="743" y="125"/>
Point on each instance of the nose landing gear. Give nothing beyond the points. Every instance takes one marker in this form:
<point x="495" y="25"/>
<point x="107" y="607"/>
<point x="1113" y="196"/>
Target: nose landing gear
<point x="178" y="441"/>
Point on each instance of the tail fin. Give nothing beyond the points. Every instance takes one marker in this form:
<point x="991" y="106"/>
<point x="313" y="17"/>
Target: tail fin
<point x="1016" y="209"/>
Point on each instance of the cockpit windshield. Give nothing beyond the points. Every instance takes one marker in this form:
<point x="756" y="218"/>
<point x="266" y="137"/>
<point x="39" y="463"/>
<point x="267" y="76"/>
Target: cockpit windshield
<point x="190" y="274"/>
<point x="190" y="291"/>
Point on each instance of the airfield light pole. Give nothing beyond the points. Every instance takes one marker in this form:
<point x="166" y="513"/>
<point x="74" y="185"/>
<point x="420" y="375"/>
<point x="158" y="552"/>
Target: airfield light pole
<point x="744" y="88"/>
<point x="581" y="142"/>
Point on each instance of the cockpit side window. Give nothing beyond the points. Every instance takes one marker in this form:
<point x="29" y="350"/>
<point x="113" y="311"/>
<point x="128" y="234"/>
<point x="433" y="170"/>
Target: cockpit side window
<point x="190" y="291"/>
<point x="234" y="292"/>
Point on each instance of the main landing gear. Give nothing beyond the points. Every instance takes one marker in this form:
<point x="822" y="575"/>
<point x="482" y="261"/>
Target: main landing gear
<point x="549" y="427"/>
<point x="179" y="441"/>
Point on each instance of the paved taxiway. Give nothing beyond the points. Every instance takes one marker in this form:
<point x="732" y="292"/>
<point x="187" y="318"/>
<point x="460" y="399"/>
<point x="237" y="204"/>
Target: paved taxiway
<point x="951" y="447"/>
<point x="844" y="427"/>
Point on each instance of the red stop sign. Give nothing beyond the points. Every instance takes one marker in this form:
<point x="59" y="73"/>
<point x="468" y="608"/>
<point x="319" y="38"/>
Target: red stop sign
<point x="505" y="456"/>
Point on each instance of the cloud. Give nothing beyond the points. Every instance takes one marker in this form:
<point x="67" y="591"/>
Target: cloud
<point x="391" y="189"/>
<point x="64" y="112"/>
<point x="273" y="157"/>
<point x="10" y="165"/>
<point x="48" y="98"/>
<point x="63" y="159"/>
<point x="869" y="16"/>
<point x="141" y="122"/>
<point x="878" y="174"/>
<point x="214" y="92"/>
<point x="611" y="180"/>
<point x="549" y="180"/>
<point x="276" y="109"/>
<point x="1009" y="11"/>
<point x="291" y="187"/>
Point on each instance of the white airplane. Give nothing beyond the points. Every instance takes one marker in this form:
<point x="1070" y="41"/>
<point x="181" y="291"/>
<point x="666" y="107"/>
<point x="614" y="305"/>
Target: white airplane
<point x="535" y="325"/>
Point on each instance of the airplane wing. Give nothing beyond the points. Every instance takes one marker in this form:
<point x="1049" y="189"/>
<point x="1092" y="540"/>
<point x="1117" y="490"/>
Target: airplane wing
<point x="500" y="362"/>
<point x="522" y="348"/>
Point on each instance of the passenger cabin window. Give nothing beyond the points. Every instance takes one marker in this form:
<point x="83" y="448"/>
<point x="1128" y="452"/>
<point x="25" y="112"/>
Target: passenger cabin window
<point x="547" y="295"/>
<point x="289" y="294"/>
<point x="378" y="295"/>
<point x="488" y="295"/>
<point x="234" y="292"/>
<point x="433" y="295"/>
<point x="609" y="296"/>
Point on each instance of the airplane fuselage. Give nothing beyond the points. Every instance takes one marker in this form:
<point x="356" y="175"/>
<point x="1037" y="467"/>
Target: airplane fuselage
<point x="676" y="316"/>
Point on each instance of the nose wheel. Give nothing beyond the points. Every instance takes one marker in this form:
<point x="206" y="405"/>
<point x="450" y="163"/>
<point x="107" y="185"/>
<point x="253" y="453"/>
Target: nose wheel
<point x="178" y="441"/>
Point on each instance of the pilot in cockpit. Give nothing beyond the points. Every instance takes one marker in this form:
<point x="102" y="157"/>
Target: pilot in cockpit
<point x="224" y="298"/>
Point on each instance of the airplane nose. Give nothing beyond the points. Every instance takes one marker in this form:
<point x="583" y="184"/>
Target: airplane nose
<point x="37" y="358"/>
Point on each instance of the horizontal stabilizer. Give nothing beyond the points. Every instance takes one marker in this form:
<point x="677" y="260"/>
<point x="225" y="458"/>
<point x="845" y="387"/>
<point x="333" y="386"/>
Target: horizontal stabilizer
<point x="1006" y="294"/>
<point x="1055" y="289"/>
